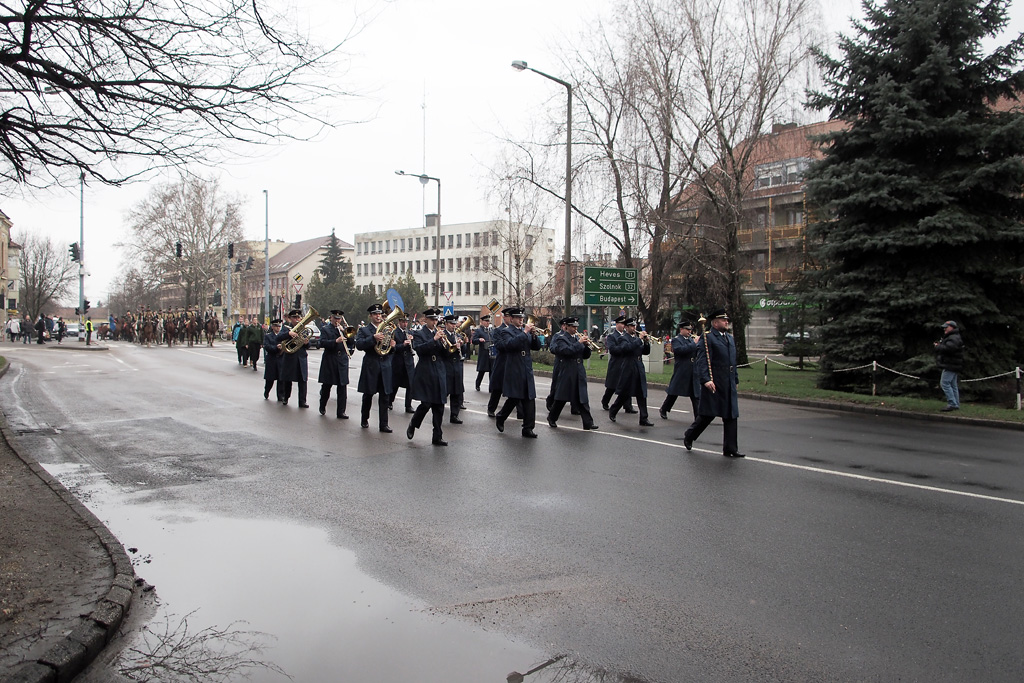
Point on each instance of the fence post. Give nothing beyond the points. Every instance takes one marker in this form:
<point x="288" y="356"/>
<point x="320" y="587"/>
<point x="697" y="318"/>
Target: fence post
<point x="874" y="369"/>
<point x="1018" y="387"/>
<point x="766" y="380"/>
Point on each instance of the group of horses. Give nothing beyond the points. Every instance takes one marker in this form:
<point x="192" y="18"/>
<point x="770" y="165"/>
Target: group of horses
<point x="170" y="331"/>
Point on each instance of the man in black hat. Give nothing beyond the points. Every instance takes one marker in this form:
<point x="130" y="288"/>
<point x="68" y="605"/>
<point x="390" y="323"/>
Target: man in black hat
<point x="683" y="382"/>
<point x="430" y="378"/>
<point x="293" y="365"/>
<point x="569" y="376"/>
<point x="611" y="379"/>
<point x="272" y="360"/>
<point x="402" y="364"/>
<point x="454" y="365"/>
<point x="334" y="363"/>
<point x="375" y="376"/>
<point x="482" y="339"/>
<point x="949" y="356"/>
<point x="518" y="386"/>
<point x="630" y="348"/>
<point x="715" y="366"/>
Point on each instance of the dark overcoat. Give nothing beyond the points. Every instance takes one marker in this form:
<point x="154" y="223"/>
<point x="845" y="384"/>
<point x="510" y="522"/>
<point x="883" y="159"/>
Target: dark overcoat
<point x="334" y="362"/>
<point x="402" y="363"/>
<point x="611" y="379"/>
<point x="454" y="364"/>
<point x="569" y="377"/>
<point x="632" y="379"/>
<point x="271" y="357"/>
<point x="430" y="379"/>
<point x="482" y="338"/>
<point x="515" y="346"/>
<point x="293" y="365"/>
<point x="684" y="353"/>
<point x="723" y="402"/>
<point x="497" y="372"/>
<point x="375" y="366"/>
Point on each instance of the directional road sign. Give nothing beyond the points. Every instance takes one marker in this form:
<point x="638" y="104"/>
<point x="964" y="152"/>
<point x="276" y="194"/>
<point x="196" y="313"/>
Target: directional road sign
<point x="610" y="286"/>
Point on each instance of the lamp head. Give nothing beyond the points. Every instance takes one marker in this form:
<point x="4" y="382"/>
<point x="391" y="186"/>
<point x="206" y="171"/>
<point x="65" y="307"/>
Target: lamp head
<point x="519" y="65"/>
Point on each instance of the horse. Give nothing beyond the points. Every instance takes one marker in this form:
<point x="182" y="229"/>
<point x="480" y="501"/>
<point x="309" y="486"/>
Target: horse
<point x="148" y="332"/>
<point x="170" y="330"/>
<point x="192" y="331"/>
<point x="103" y="331"/>
<point x="212" y="326"/>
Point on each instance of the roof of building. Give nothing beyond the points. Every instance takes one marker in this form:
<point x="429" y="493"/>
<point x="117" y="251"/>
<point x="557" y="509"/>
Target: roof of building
<point x="299" y="251"/>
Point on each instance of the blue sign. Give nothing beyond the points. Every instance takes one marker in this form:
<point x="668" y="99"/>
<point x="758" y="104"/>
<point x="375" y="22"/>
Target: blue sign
<point x="449" y="309"/>
<point x="395" y="300"/>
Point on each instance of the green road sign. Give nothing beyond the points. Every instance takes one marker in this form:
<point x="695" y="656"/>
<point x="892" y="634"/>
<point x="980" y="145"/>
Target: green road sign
<point x="610" y="286"/>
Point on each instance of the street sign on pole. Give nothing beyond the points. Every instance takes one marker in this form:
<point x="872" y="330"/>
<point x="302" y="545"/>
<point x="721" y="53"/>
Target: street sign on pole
<point x="449" y="309"/>
<point x="611" y="286"/>
<point x="298" y="287"/>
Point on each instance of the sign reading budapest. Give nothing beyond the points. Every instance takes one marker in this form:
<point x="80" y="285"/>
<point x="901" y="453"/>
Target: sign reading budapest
<point x="610" y="286"/>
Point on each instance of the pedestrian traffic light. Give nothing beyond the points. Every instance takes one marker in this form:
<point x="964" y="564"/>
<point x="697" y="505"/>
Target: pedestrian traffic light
<point x="76" y="255"/>
<point x="78" y="311"/>
<point x="231" y="250"/>
<point x="86" y="305"/>
<point x="248" y="263"/>
<point x="216" y="298"/>
<point x="177" y="249"/>
<point x="298" y="301"/>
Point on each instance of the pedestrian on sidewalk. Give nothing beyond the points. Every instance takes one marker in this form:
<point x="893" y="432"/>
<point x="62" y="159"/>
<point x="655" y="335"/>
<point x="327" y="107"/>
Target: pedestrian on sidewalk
<point x="949" y="356"/>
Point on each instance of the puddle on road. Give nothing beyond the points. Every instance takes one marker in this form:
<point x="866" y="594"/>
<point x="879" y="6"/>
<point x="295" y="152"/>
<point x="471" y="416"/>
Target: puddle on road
<point x="327" y="620"/>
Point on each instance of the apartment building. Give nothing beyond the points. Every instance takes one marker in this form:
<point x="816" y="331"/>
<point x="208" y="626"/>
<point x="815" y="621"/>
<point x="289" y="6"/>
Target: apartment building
<point x="510" y="262"/>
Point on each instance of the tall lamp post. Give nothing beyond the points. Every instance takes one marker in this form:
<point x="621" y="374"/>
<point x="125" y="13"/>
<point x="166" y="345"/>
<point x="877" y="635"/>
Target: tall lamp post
<point x="424" y="178"/>
<point x="81" y="251"/>
<point x="520" y="65"/>
<point x="266" y="257"/>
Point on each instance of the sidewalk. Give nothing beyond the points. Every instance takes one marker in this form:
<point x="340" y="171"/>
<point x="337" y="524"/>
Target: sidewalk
<point x="65" y="581"/>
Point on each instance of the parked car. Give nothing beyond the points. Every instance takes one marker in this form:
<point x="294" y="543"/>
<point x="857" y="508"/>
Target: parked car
<point x="72" y="332"/>
<point x="795" y="344"/>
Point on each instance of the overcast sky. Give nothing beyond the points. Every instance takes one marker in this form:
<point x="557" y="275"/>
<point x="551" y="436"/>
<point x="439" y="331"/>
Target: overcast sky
<point x="454" y="55"/>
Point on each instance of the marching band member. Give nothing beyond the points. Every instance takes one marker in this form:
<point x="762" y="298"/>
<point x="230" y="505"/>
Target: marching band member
<point x="611" y="378"/>
<point x="482" y="338"/>
<point x="293" y="365"/>
<point x="684" y="381"/>
<point x="632" y="380"/>
<point x="569" y="377"/>
<point x="272" y="360"/>
<point x="496" y="373"/>
<point x="715" y="367"/>
<point x="334" y="363"/>
<point x="430" y="378"/>
<point x="515" y="344"/>
<point x="454" y="365"/>
<point x="402" y="364"/>
<point x="375" y="375"/>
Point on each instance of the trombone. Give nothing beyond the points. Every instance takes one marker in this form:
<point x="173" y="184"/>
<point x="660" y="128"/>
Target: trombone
<point x="349" y="333"/>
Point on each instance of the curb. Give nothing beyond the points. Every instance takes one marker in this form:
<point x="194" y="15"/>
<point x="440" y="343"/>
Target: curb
<point x="848" y="407"/>
<point x="69" y="657"/>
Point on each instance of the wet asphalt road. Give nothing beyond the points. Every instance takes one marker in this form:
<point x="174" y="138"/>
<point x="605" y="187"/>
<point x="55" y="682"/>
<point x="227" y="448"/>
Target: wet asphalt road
<point x="842" y="548"/>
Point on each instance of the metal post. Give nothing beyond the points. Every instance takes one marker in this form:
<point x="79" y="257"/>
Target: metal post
<point x="766" y="370"/>
<point x="266" y="257"/>
<point x="874" y="369"/>
<point x="227" y="318"/>
<point x="437" y="265"/>
<point x="1018" y="387"/>
<point x="81" y="255"/>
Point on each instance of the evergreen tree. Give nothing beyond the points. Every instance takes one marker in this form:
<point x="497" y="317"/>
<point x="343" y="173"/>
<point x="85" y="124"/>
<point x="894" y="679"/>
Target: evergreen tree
<point x="920" y="194"/>
<point x="332" y="285"/>
<point x="333" y="266"/>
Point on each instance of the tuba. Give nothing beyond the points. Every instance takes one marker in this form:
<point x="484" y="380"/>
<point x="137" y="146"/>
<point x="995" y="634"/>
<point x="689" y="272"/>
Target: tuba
<point x="460" y="336"/>
<point x="293" y="344"/>
<point x="463" y="328"/>
<point x="387" y="328"/>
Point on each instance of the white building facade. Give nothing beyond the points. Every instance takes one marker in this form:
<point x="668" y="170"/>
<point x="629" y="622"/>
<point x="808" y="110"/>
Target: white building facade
<point x="510" y="262"/>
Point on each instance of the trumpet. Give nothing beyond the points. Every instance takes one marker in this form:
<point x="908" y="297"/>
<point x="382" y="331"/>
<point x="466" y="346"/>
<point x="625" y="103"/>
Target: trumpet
<point x="590" y="342"/>
<point x="532" y="320"/>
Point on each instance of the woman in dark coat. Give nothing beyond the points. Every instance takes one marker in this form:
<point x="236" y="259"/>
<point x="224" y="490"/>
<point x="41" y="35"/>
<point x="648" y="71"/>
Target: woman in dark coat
<point x="683" y="382"/>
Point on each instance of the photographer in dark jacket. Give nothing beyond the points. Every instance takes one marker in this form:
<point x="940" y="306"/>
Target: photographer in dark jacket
<point x="949" y="356"/>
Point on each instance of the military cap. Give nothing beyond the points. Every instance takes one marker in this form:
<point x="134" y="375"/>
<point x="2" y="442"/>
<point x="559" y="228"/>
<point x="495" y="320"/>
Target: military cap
<point x="375" y="308"/>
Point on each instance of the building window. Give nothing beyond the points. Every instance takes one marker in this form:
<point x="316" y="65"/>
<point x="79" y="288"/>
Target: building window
<point x="476" y="239"/>
<point x="401" y="244"/>
<point x="451" y="241"/>
<point x="476" y="264"/>
<point x="425" y="292"/>
<point x="459" y="240"/>
<point x="529" y="289"/>
<point x="494" y="286"/>
<point x="458" y="265"/>
<point x="387" y="246"/>
<point x="494" y="237"/>
<point x="433" y="242"/>
<point x="451" y="262"/>
<point x="529" y="240"/>
<point x="494" y="262"/>
<point x="442" y="265"/>
<point x="417" y="266"/>
<point x="485" y="287"/>
<point x="418" y="243"/>
<point x="458" y="289"/>
<point x="529" y="265"/>
<point x="373" y="269"/>
<point x="476" y="288"/>
<point x="359" y="269"/>
<point x="487" y="242"/>
<point x="451" y="287"/>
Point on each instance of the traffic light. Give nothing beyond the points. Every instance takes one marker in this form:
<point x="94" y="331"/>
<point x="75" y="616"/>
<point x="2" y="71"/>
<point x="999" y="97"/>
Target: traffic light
<point x="216" y="298"/>
<point x="238" y="266"/>
<point x="86" y="305"/>
<point x="248" y="263"/>
<point x="231" y="250"/>
<point x="298" y="301"/>
<point x="78" y="311"/>
<point x="177" y="249"/>
<point x="76" y="255"/>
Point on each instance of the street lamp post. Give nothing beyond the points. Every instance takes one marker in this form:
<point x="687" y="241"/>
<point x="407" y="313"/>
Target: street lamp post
<point x="424" y="178"/>
<point x="266" y="257"/>
<point x="520" y="65"/>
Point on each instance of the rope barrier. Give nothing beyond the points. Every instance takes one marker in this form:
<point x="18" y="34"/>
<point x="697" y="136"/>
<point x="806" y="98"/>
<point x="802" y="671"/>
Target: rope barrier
<point x="982" y="379"/>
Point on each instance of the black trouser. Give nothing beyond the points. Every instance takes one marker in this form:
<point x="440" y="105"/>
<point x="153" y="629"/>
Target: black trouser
<point x="670" y="401"/>
<point x="268" y="385"/>
<point x="456" y="403"/>
<point x="583" y="409"/>
<point x="382" y="404"/>
<point x="479" y="378"/>
<point x="243" y="353"/>
<point x="492" y="402"/>
<point x="527" y="407"/>
<point x="729" y="434"/>
<point x="325" y="395"/>
<point x="408" y="398"/>
<point x="609" y="392"/>
<point x="286" y="392"/>
<point x="623" y="400"/>
<point x="436" y="418"/>
<point x="254" y="353"/>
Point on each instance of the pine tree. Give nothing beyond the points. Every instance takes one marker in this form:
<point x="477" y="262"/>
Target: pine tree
<point x="919" y="195"/>
<point x="333" y="265"/>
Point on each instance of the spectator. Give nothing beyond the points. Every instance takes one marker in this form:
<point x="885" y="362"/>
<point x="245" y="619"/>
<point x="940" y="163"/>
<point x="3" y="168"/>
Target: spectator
<point x="949" y="356"/>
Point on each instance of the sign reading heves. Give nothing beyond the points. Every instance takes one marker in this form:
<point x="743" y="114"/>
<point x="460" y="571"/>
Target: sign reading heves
<point x="610" y="286"/>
